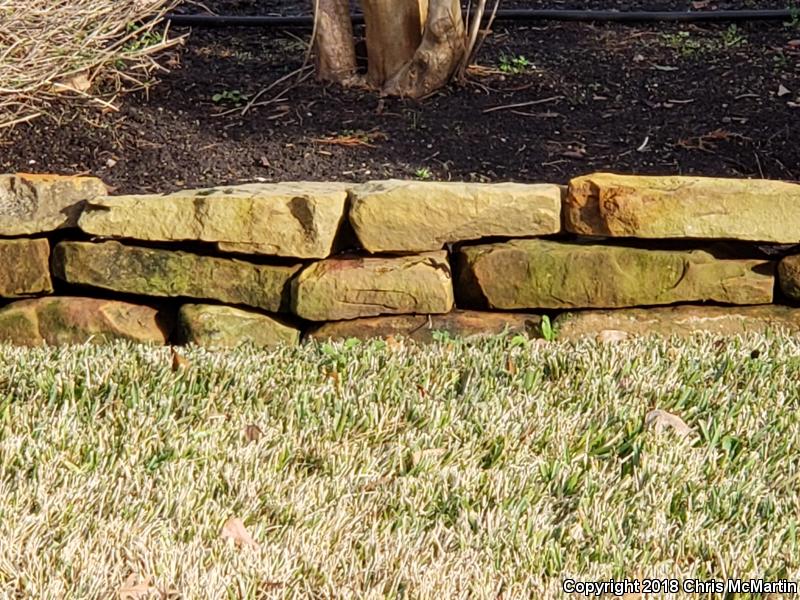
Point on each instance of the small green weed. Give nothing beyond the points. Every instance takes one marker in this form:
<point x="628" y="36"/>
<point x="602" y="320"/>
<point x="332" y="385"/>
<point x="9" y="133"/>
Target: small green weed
<point x="689" y="46"/>
<point x="548" y="333"/>
<point x="794" y="16"/>
<point x="514" y="65"/>
<point x="423" y="173"/>
<point x="148" y="39"/>
<point x="229" y="98"/>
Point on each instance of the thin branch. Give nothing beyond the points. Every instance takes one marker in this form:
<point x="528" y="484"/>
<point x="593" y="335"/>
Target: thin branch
<point x="522" y="104"/>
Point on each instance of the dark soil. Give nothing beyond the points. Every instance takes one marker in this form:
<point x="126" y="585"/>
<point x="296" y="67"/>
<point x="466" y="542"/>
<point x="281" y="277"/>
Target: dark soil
<point x="299" y="7"/>
<point x="644" y="99"/>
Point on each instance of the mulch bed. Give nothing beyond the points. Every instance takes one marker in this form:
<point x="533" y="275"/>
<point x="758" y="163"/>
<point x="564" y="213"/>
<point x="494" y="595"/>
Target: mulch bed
<point x="665" y="98"/>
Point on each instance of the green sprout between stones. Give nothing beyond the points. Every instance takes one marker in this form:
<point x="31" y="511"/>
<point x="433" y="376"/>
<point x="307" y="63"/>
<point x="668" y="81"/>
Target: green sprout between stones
<point x="378" y="469"/>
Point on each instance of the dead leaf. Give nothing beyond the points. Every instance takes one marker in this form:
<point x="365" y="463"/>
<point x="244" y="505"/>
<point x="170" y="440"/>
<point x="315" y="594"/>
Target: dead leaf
<point x="700" y="4"/>
<point x="333" y="374"/>
<point x="234" y="530"/>
<point x="511" y="367"/>
<point x="783" y="91"/>
<point x="392" y="342"/>
<point x="135" y="587"/>
<point x="429" y="453"/>
<point x="661" y="420"/>
<point x="79" y="82"/>
<point x="178" y="361"/>
<point x="252" y="433"/>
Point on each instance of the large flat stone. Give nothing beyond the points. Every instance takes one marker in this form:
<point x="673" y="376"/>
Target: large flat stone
<point x="24" y="268"/>
<point x="546" y="274"/>
<point x="675" y="320"/>
<point x="226" y="326"/>
<point x="155" y="272"/>
<point x="789" y="276"/>
<point x="415" y="216"/>
<point x="459" y="323"/>
<point x="284" y="219"/>
<point x="683" y="207"/>
<point x="32" y="204"/>
<point x="348" y="288"/>
<point x="59" y="320"/>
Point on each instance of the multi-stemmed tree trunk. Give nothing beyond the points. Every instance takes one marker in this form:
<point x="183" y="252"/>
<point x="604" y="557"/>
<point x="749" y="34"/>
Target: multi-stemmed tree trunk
<point x="413" y="46"/>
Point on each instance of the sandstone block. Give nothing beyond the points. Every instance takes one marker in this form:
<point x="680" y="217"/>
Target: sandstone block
<point x="415" y="216"/>
<point x="284" y="219"/>
<point x="789" y="276"/>
<point x="675" y="320"/>
<point x="546" y="274"/>
<point x="683" y="207"/>
<point x="59" y="320"/>
<point x="226" y="326"/>
<point x="24" y="268"/>
<point x="348" y="288"/>
<point x="459" y="323"/>
<point x="32" y="204"/>
<point x="166" y="273"/>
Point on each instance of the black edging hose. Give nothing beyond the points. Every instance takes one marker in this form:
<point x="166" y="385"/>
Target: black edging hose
<point x="516" y="15"/>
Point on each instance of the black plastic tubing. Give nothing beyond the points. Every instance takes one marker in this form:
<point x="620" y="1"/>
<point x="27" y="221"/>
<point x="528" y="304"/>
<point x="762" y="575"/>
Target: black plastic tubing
<point x="517" y="15"/>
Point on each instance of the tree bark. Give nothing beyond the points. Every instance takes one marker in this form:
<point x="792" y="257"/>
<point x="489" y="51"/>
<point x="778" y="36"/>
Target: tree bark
<point x="437" y="57"/>
<point x="335" y="51"/>
<point x="394" y="32"/>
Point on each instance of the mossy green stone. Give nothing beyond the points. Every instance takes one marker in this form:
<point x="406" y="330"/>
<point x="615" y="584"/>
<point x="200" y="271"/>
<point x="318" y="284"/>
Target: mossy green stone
<point x="548" y="274"/>
<point x="60" y="320"/>
<point x="167" y="273"/>
<point x="226" y="326"/>
<point x="24" y="268"/>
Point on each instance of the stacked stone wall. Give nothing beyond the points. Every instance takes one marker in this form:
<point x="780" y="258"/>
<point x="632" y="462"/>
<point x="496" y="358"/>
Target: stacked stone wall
<point x="606" y="256"/>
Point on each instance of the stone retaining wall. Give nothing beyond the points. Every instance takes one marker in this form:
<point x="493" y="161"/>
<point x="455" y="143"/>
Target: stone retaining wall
<point x="272" y="263"/>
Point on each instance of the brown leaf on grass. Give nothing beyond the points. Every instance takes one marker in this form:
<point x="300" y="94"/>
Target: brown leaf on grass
<point x="661" y="420"/>
<point x="234" y="530"/>
<point x="252" y="433"/>
<point x="511" y="366"/>
<point x="392" y="342"/>
<point x="178" y="361"/>
<point x="135" y="587"/>
<point x="333" y="375"/>
<point x="430" y="454"/>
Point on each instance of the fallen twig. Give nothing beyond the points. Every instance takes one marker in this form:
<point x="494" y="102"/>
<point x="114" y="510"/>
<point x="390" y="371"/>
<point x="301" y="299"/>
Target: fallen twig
<point x="522" y="104"/>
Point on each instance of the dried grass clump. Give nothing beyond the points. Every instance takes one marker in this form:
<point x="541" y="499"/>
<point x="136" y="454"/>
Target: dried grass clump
<point x="90" y="50"/>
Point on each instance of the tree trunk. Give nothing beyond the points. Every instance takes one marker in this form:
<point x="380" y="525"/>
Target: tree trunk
<point x="437" y="57"/>
<point x="405" y="58"/>
<point x="335" y="51"/>
<point x="394" y="32"/>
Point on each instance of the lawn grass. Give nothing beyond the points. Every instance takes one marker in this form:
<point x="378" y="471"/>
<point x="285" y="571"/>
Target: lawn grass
<point x="375" y="470"/>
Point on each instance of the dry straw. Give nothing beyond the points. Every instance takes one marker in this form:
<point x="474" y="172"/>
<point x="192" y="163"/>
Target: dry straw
<point x="88" y="50"/>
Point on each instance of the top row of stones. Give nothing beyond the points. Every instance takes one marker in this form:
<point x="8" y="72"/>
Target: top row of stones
<point x="301" y="220"/>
